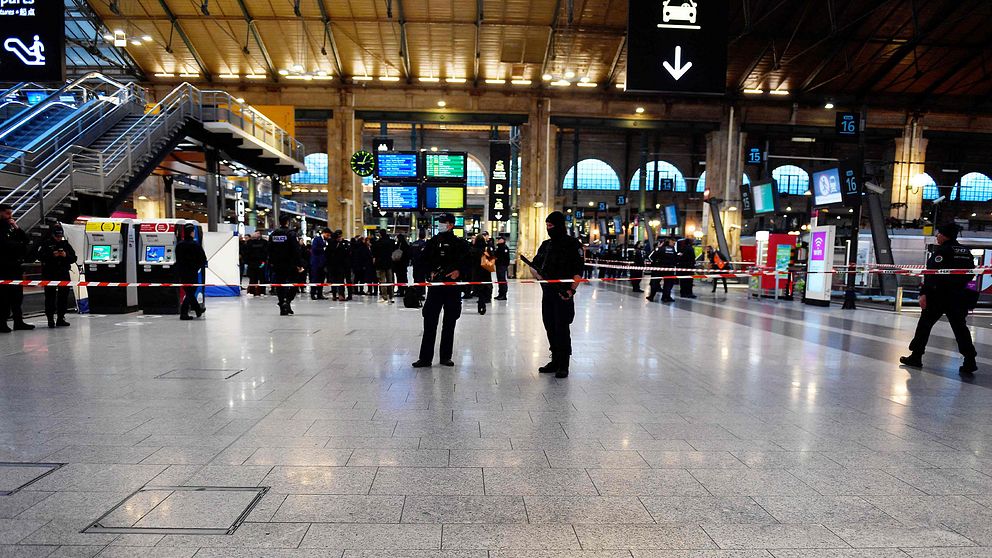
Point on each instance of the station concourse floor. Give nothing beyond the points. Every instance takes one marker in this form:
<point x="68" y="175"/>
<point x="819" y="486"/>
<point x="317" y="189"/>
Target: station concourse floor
<point x="716" y="428"/>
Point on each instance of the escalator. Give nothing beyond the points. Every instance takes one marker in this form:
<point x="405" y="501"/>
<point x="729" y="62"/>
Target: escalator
<point x="29" y="131"/>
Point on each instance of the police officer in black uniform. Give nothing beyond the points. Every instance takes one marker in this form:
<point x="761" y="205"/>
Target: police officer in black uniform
<point x="190" y="259"/>
<point x="446" y="257"/>
<point x="286" y="263"/>
<point x="559" y="257"/>
<point x="13" y="250"/>
<point x="664" y="255"/>
<point x="57" y="257"/>
<point x="946" y="295"/>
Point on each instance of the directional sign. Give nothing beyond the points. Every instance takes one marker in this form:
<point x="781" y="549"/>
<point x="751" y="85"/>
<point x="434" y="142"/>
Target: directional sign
<point x="32" y="33"/>
<point x="499" y="182"/>
<point x="677" y="46"/>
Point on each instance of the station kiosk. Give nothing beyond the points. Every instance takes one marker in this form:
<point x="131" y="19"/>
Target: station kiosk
<point x="156" y="259"/>
<point x="109" y="257"/>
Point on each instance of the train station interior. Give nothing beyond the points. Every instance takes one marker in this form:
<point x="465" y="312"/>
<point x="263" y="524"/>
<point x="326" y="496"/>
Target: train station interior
<point x="773" y="200"/>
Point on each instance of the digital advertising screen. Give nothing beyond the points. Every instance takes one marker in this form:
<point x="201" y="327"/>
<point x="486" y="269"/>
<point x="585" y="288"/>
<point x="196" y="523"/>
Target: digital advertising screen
<point x="396" y="166"/>
<point x="445" y="197"/>
<point x="671" y="215"/>
<point x="154" y="253"/>
<point x="764" y="198"/>
<point x="404" y="197"/>
<point x="35" y="97"/>
<point x="100" y="253"/>
<point x="826" y="187"/>
<point x="445" y="166"/>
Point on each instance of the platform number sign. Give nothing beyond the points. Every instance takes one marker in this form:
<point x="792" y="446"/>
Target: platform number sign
<point x="621" y="200"/>
<point x="850" y="182"/>
<point x="32" y="33"/>
<point x="848" y="124"/>
<point x="667" y="184"/>
<point x="754" y="156"/>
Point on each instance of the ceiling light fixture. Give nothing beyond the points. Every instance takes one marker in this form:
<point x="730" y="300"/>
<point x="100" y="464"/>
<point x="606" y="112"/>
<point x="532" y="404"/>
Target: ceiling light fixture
<point x="496" y="81"/>
<point x="284" y="72"/>
<point x="455" y="80"/>
<point x="561" y="83"/>
<point x="569" y="74"/>
<point x="229" y="76"/>
<point x="639" y="110"/>
<point x="586" y="84"/>
<point x="442" y="104"/>
<point x="828" y="106"/>
<point x="363" y="78"/>
<point x="146" y="38"/>
<point x="585" y="79"/>
<point x="779" y="92"/>
<point x="754" y="91"/>
<point x="135" y="42"/>
<point x="521" y="81"/>
<point x="389" y="78"/>
<point x="430" y="79"/>
<point x="165" y="75"/>
<point x="189" y="75"/>
<point x="547" y="77"/>
<point x="255" y="76"/>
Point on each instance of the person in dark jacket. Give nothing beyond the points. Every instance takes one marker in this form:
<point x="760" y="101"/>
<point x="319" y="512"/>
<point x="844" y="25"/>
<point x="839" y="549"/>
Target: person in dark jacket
<point x="362" y="263"/>
<point x="190" y="260"/>
<point x="947" y="295"/>
<point x="256" y="252"/>
<point x="57" y="258"/>
<point x="338" y="259"/>
<point x="285" y="262"/>
<point x="13" y="250"/>
<point x="502" y="266"/>
<point x="719" y="264"/>
<point x="402" y="265"/>
<point x="559" y="257"/>
<point x="687" y="261"/>
<point x="419" y="262"/>
<point x="318" y="263"/>
<point x="636" y="275"/>
<point x="446" y="256"/>
<point x="664" y="255"/>
<point x="382" y="253"/>
<point x="483" y="293"/>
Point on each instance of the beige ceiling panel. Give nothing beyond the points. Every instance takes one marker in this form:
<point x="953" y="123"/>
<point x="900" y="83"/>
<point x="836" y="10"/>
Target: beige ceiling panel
<point x="290" y="42"/>
<point x="369" y="48"/>
<point x="128" y="8"/>
<point x="520" y="12"/>
<point x="357" y="9"/>
<point x="441" y="50"/>
<point x="153" y="58"/>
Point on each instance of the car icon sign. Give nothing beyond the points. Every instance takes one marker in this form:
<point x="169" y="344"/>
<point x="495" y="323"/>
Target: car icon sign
<point x="686" y="11"/>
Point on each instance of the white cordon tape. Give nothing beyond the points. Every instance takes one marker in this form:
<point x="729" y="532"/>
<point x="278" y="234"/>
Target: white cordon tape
<point x="879" y="269"/>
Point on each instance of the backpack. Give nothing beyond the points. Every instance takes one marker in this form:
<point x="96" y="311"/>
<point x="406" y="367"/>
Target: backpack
<point x="397" y="255"/>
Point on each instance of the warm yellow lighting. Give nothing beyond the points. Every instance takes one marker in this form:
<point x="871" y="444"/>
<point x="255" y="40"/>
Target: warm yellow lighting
<point x="754" y="91"/>
<point x="240" y="100"/>
<point x="547" y="77"/>
<point x="569" y="74"/>
<point x="455" y="80"/>
<point x="779" y="92"/>
<point x="189" y="75"/>
<point x="389" y="78"/>
<point x="228" y="76"/>
<point x="255" y="76"/>
<point x="561" y="83"/>
<point x="146" y="38"/>
<point x="496" y="81"/>
<point x="165" y="75"/>
<point x="430" y="79"/>
<point x="442" y="104"/>
<point x="586" y="84"/>
<point x="284" y="72"/>
<point x="639" y="110"/>
<point x="521" y="82"/>
<point x="363" y="78"/>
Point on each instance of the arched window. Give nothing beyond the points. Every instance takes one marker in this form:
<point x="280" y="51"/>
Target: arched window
<point x="593" y="175"/>
<point x="975" y="187"/>
<point x="928" y="183"/>
<point x="701" y="183"/>
<point x="316" y="172"/>
<point x="665" y="170"/>
<point x="476" y="176"/>
<point x="791" y="180"/>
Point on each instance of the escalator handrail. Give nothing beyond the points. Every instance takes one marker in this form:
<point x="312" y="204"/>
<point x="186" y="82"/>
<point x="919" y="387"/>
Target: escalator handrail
<point x="24" y="116"/>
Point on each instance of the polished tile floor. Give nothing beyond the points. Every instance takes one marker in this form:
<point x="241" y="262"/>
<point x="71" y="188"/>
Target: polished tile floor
<point x="720" y="427"/>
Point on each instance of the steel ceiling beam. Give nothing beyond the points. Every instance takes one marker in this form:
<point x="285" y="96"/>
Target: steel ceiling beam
<point x="185" y="38"/>
<point x="549" y="49"/>
<point x="404" y="46"/>
<point x="616" y="61"/>
<point x="478" y="43"/>
<point x="329" y="35"/>
<point x="908" y="47"/>
<point x="258" y="40"/>
<point x="964" y="62"/>
<point x="753" y="65"/>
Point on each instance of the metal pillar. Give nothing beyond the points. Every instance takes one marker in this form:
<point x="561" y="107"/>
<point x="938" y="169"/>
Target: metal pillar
<point x="252" y="188"/>
<point x="276" y="188"/>
<point x="575" y="173"/>
<point x="211" y="180"/>
<point x="850" y="298"/>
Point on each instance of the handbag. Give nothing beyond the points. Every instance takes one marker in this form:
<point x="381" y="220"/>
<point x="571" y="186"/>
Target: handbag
<point x="397" y="255"/>
<point x="488" y="262"/>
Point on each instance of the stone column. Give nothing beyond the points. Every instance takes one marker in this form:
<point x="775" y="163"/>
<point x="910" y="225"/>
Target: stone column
<point x="910" y="156"/>
<point x="723" y="179"/>
<point x="344" y="189"/>
<point x="537" y="189"/>
<point x="150" y="199"/>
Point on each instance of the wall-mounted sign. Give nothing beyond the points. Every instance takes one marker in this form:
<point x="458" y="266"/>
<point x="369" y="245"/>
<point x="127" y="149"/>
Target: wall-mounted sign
<point x="754" y="156"/>
<point x="499" y="182"/>
<point x="848" y="124"/>
<point x="667" y="184"/>
<point x="677" y="46"/>
<point x="33" y="37"/>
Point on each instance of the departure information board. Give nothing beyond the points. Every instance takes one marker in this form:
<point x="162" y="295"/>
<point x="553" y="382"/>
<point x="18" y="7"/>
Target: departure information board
<point x="396" y="166"/>
<point x="445" y="197"/>
<point x="444" y="166"/>
<point x="398" y="198"/>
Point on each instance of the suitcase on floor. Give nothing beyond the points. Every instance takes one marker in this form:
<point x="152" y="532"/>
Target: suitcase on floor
<point x="411" y="298"/>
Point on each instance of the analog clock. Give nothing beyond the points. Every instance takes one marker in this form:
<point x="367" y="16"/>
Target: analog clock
<point x="363" y="163"/>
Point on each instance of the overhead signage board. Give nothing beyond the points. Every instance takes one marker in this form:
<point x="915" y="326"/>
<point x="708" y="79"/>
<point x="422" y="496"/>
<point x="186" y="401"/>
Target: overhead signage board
<point x="445" y="197"/>
<point x="499" y="182"/>
<point x="445" y="166"/>
<point x="826" y="187"/>
<point x="667" y="184"/>
<point x="850" y="184"/>
<point x="33" y="38"/>
<point x="397" y="197"/>
<point x="396" y="165"/>
<point x="677" y="46"/>
<point x="382" y="144"/>
<point x="621" y="200"/>
<point x="848" y="125"/>
<point x="754" y="156"/>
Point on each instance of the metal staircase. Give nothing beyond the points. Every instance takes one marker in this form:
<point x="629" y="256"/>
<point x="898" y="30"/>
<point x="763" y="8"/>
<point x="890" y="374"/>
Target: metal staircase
<point x="112" y="163"/>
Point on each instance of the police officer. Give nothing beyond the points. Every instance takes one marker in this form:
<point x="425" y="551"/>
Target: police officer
<point x="13" y="249"/>
<point x="57" y="257"/>
<point x="559" y="257"/>
<point x="319" y="254"/>
<point x="446" y="256"/>
<point x="664" y="255"/>
<point x="502" y="266"/>
<point x="687" y="260"/>
<point x="190" y="259"/>
<point x="256" y="251"/>
<point x="285" y="262"/>
<point x="945" y="295"/>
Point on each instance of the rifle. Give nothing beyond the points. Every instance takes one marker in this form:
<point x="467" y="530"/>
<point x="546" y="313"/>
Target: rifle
<point x="565" y="295"/>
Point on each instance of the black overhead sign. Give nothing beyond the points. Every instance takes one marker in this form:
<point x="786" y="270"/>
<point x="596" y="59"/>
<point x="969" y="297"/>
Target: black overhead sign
<point x="33" y="37"/>
<point x="850" y="183"/>
<point x="499" y="182"/>
<point x="848" y="124"/>
<point x="677" y="46"/>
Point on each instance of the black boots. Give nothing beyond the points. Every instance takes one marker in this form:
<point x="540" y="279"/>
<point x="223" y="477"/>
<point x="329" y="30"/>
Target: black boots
<point x="21" y="326"/>
<point x="548" y="368"/>
<point x="558" y="366"/>
<point x="914" y="360"/>
<point x="969" y="367"/>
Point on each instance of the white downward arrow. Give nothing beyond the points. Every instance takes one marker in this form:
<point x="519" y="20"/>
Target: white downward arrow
<point x="499" y="216"/>
<point x="678" y="70"/>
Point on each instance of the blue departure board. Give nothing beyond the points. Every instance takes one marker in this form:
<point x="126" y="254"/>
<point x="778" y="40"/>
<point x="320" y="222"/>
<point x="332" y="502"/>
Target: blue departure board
<point x="396" y="166"/>
<point x="402" y="198"/>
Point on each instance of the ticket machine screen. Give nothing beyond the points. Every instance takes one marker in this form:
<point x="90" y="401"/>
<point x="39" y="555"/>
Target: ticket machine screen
<point x="100" y="253"/>
<point x="154" y="253"/>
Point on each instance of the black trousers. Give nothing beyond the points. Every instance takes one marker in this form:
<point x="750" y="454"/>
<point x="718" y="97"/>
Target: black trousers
<point x="336" y="275"/>
<point x="956" y="315"/>
<point x="402" y="275"/>
<point x="286" y="294"/>
<point x="11" y="297"/>
<point x="318" y="274"/>
<point x="449" y="300"/>
<point x="635" y="280"/>
<point x="501" y="277"/>
<point x="56" y="301"/>
<point x="256" y="275"/>
<point x="685" y="285"/>
<point x="666" y="287"/>
<point x="558" y="315"/>
<point x="189" y="297"/>
<point x="717" y="280"/>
